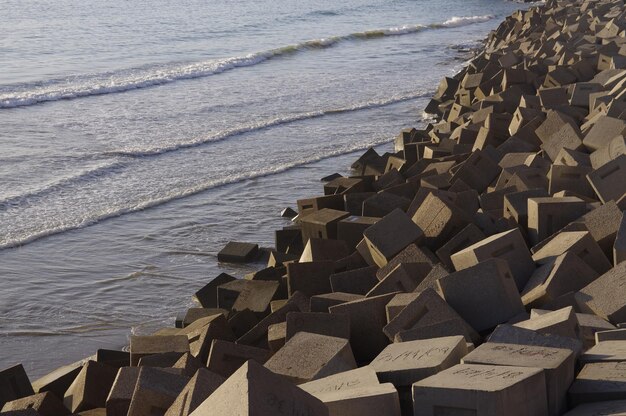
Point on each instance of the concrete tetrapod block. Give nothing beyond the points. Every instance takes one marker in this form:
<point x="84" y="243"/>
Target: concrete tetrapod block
<point x="91" y="387"/>
<point x="608" y="408"/>
<point x="404" y="363"/>
<point x="563" y="274"/>
<point x="367" y="319"/>
<point x="207" y="295"/>
<point x="391" y="235"/>
<point x="333" y="325"/>
<point x="373" y="400"/>
<point x="605" y="351"/>
<point x="14" y="384"/>
<point x="46" y="404"/>
<point x="486" y="390"/>
<point x="509" y="334"/>
<point x="606" y="296"/>
<point x="608" y="180"/>
<point x="307" y="357"/>
<point x="255" y="391"/>
<point x="509" y="246"/>
<point x="427" y="310"/>
<point x="558" y="366"/>
<point x="599" y="382"/>
<point x="548" y="215"/>
<point x="118" y="401"/>
<point x="155" y="391"/>
<point x="484" y="295"/>
<point x="580" y="243"/>
<point x="199" y="387"/>
<point x="236" y="252"/>
<point x="140" y="346"/>
<point x="562" y="322"/>
<point x="226" y="357"/>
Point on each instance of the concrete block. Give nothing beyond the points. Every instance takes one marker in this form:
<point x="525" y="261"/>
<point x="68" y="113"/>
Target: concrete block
<point x="46" y="404"/>
<point x="321" y="303"/>
<point x="509" y="334"/>
<point x="289" y="240"/>
<point x="578" y="242"/>
<point x="161" y="360"/>
<point x="482" y="390"/>
<point x="570" y="178"/>
<point x="207" y="296"/>
<point x="367" y="319"/>
<point x="484" y="295"/>
<point x="516" y="205"/>
<point x="404" y="363"/>
<point x="397" y="303"/>
<point x="612" y="150"/>
<point x="508" y="246"/>
<point x="411" y="254"/>
<point x="598" y="382"/>
<point x="14" y="384"/>
<point x="605" y="351"/>
<point x="604" y="129"/>
<point x="608" y="408"/>
<point x="558" y="366"/>
<point x="217" y="328"/>
<point x="391" y="235"/>
<point x="236" y="252"/>
<point x="548" y="215"/>
<point x="606" y="296"/>
<point x="188" y="364"/>
<point x="309" y="205"/>
<point x="91" y="387"/>
<point x="118" y="400"/>
<point x="617" y="334"/>
<point x="346" y="380"/>
<point x="404" y="277"/>
<point x="155" y="391"/>
<point x="56" y="381"/>
<point x="334" y="325"/>
<point x="243" y="321"/>
<point x="113" y="358"/>
<point x="226" y="357"/>
<point x="311" y="278"/>
<point x="553" y="122"/>
<point x="439" y="220"/>
<point x="383" y="203"/>
<point x="307" y="357"/>
<point x="357" y="281"/>
<point x="425" y="311"/>
<point x="199" y="387"/>
<point x="561" y="275"/>
<point x="276" y="336"/>
<point x="478" y="171"/>
<point x="561" y="322"/>
<point x="608" y="180"/>
<point x="256" y="296"/>
<point x="140" y="346"/>
<point x="321" y="224"/>
<point x="317" y="249"/>
<point x="568" y="136"/>
<point x="619" y="246"/>
<point x="351" y="229"/>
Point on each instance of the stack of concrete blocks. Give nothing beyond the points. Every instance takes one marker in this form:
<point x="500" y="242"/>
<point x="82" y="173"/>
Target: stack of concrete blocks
<point x="476" y="270"/>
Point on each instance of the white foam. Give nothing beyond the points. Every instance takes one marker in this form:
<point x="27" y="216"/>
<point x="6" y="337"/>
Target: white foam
<point x="227" y="134"/>
<point x="10" y="240"/>
<point x="12" y="96"/>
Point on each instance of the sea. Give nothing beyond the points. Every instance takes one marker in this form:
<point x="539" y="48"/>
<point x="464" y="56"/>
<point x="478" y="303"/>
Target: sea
<point x="138" y="137"/>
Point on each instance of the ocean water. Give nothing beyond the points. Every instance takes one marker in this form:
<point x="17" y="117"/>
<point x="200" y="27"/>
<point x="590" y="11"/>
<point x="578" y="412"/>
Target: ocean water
<point x="137" y="138"/>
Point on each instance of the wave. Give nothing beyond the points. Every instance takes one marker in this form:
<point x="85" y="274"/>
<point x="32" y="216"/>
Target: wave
<point x="226" y="134"/>
<point x="20" y="241"/>
<point x="138" y="78"/>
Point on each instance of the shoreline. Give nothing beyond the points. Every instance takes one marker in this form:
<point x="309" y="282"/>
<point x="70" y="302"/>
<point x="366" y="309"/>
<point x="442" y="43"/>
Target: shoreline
<point x="463" y="243"/>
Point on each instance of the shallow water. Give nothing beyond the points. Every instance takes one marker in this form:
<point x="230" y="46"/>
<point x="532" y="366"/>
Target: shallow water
<point x="137" y="138"/>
